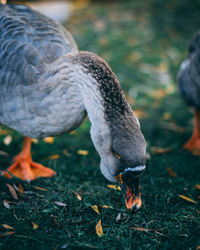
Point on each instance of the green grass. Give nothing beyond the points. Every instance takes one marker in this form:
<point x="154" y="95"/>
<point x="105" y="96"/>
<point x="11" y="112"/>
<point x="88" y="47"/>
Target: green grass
<point x="144" y="42"/>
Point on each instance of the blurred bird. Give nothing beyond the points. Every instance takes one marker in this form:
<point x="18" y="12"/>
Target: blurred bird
<point x="47" y="87"/>
<point x="189" y="85"/>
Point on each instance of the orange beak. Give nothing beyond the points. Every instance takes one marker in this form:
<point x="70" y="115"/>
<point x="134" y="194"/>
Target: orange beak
<point x="133" y="202"/>
<point x="131" y="191"/>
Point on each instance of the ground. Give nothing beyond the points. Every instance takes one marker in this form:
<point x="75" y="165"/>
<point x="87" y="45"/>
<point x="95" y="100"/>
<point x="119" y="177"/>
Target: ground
<point x="144" y="42"/>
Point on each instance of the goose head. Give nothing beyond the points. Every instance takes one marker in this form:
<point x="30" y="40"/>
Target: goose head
<point x="115" y="130"/>
<point x="125" y="161"/>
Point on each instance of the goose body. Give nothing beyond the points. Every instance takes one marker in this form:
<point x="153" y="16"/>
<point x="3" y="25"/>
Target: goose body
<point x="189" y="86"/>
<point x="47" y="87"/>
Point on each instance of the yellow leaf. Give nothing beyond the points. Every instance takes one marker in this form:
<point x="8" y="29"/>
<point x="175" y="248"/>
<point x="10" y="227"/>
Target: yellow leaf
<point x="35" y="226"/>
<point x="35" y="140"/>
<point x="171" y="172"/>
<point x="95" y="208"/>
<point x="3" y="131"/>
<point x="82" y="152"/>
<point x="7" y="140"/>
<point x="99" y="229"/>
<point x="157" y="150"/>
<point x="7" y="226"/>
<point x="49" y="140"/>
<point x="12" y="191"/>
<point x="197" y="186"/>
<point x="77" y="195"/>
<point x="73" y="132"/>
<point x="187" y="198"/>
<point x="140" y="113"/>
<point x="115" y="187"/>
<point x="39" y="188"/>
<point x="54" y="157"/>
<point x="106" y="206"/>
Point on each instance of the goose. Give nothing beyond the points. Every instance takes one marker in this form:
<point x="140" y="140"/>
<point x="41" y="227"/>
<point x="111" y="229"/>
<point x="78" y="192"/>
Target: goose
<point x="47" y="86"/>
<point x="188" y="79"/>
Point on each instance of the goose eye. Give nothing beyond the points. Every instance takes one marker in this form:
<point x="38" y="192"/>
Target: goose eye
<point x="116" y="155"/>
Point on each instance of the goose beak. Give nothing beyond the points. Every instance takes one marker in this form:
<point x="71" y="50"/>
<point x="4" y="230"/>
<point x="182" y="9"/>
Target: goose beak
<point x="129" y="183"/>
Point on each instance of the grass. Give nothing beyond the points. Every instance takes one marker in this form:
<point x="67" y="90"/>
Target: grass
<point x="144" y="42"/>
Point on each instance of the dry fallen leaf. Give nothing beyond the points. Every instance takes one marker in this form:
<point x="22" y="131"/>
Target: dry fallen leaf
<point x="35" y="226"/>
<point x="197" y="186"/>
<point x="77" y="195"/>
<point x="20" y="189"/>
<point x="115" y="187"/>
<point x="106" y="206"/>
<point x="119" y="217"/>
<point x="49" y="140"/>
<point x="35" y="140"/>
<point x="171" y="172"/>
<point x="3" y="153"/>
<point x="99" y="229"/>
<point x="141" y="229"/>
<point x="186" y="198"/>
<point x="54" y="157"/>
<point x="7" y="140"/>
<point x="66" y="153"/>
<point x="7" y="226"/>
<point x="157" y="150"/>
<point x="140" y="113"/>
<point x="7" y="233"/>
<point x="3" y="131"/>
<point x="61" y="204"/>
<point x="95" y="208"/>
<point x="5" y="203"/>
<point x="198" y="248"/>
<point x="12" y="191"/>
<point x="82" y="152"/>
<point x="39" y="188"/>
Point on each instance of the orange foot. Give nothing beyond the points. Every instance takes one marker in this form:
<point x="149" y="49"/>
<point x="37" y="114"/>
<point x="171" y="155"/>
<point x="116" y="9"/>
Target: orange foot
<point x="24" y="168"/>
<point x="193" y="145"/>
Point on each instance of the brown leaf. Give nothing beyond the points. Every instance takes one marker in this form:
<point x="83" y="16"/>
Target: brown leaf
<point x="157" y="150"/>
<point x="7" y="226"/>
<point x="7" y="233"/>
<point x="12" y="191"/>
<point x="77" y="195"/>
<point x="141" y="229"/>
<point x="49" y="140"/>
<point x="39" y="188"/>
<point x="5" y="203"/>
<point x="115" y="187"/>
<point x="198" y="248"/>
<point x="95" y="208"/>
<point x="197" y="186"/>
<point x="171" y="172"/>
<point x="99" y="229"/>
<point x="54" y="157"/>
<point x="187" y="198"/>
<point x="20" y="189"/>
<point x="82" y="152"/>
<point x="61" y="204"/>
<point x="35" y="226"/>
